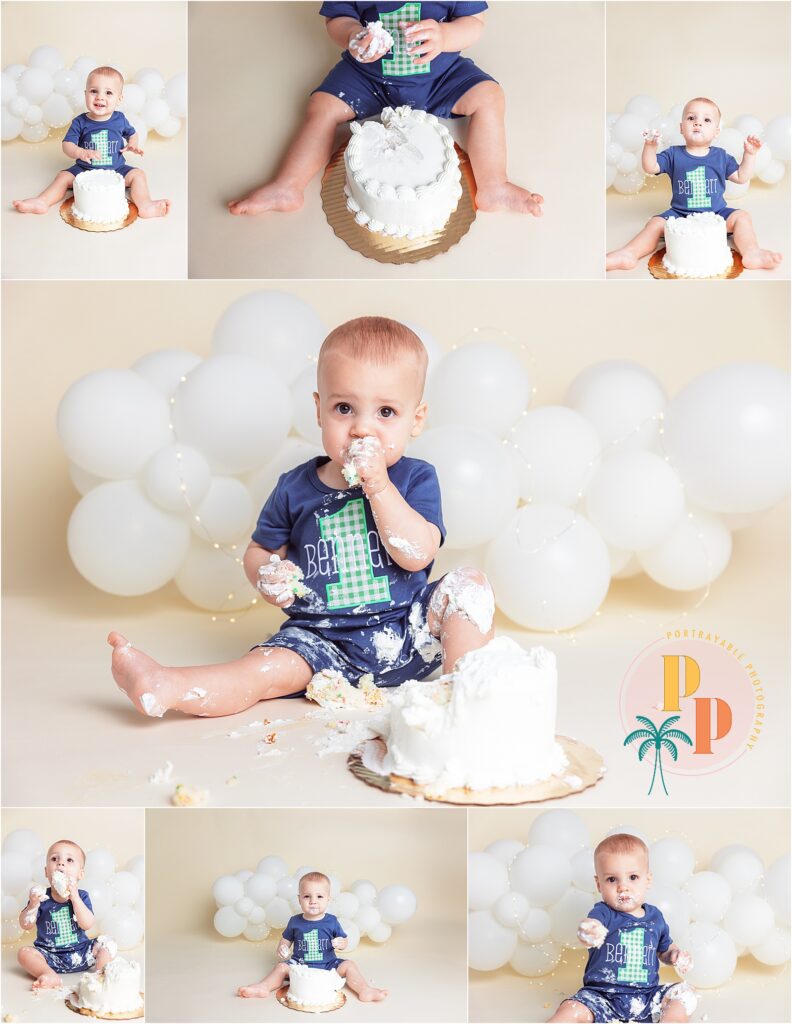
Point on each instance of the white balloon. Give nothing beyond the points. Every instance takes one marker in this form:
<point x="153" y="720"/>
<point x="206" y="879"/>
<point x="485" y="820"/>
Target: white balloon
<point x="710" y="896"/>
<point x="346" y="904"/>
<point x="613" y="153"/>
<point x="137" y="865"/>
<point x="274" y="866"/>
<point x="111" y="422"/>
<point x="490" y="945"/>
<point x="481" y="385"/>
<point x="396" y="904"/>
<point x="549" y="568"/>
<point x="727" y="434"/>
<point x="468" y="463"/>
<point x="141" y="128"/>
<point x="292" y="453"/>
<point x="288" y="887"/>
<point x="628" y="162"/>
<point x="565" y="830"/>
<point x="124" y="888"/>
<point x="244" y="875"/>
<point x="749" y="920"/>
<point x="155" y="112"/>
<point x="125" y="925"/>
<point x="227" y="889"/>
<point x="33" y="114"/>
<point x="165" y="368"/>
<point x="673" y="904"/>
<point x="177" y="478"/>
<point x="257" y="916"/>
<point x="635" y="500"/>
<point x="352" y="933"/>
<point x="14" y="71"/>
<point x="733" y="142"/>
<point x="533" y="961"/>
<point x="35" y="84"/>
<point x="505" y="850"/>
<point x="211" y="578"/>
<point x="277" y="912"/>
<point x="629" y="184"/>
<point x="261" y="888"/>
<point x="778" y="136"/>
<point x="17" y="106"/>
<point x="566" y="915"/>
<point x="304" y="416"/>
<point x="12" y="906"/>
<point x="65" y="82"/>
<point x="9" y="89"/>
<point x="57" y="111"/>
<point x="100" y="863"/>
<point x="134" y="98"/>
<point x="365" y="891"/>
<point x="747" y="124"/>
<point x="24" y="841"/>
<point x="256" y="932"/>
<point x="772" y="172"/>
<point x="11" y="126"/>
<point x="176" y="94"/>
<point x="150" y="81"/>
<point x="628" y="130"/>
<point x="367" y="917"/>
<point x="510" y="909"/>
<point x="777" y="885"/>
<point x="774" y="949"/>
<point x="272" y="326"/>
<point x="83" y="66"/>
<point x="15" y="872"/>
<point x="380" y="932"/>
<point x="672" y="860"/>
<point x="488" y="880"/>
<point x="10" y="930"/>
<point x="741" y="866"/>
<point x="225" y="513"/>
<point x="623" y="402"/>
<point x="123" y="544"/>
<point x="541" y="874"/>
<point x="713" y="952"/>
<point x="47" y="57"/>
<point x="643" y="107"/>
<point x="244" y="906"/>
<point x="34" y="132"/>
<point x="582" y="864"/>
<point x="535" y="926"/>
<point x="558" y="451"/>
<point x="693" y="555"/>
<point x="168" y="127"/>
<point x="229" y="923"/>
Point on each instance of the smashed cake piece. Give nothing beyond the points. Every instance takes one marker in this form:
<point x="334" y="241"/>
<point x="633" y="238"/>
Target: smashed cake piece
<point x="330" y="689"/>
<point x="189" y="796"/>
<point x="361" y="449"/>
<point x="592" y="933"/>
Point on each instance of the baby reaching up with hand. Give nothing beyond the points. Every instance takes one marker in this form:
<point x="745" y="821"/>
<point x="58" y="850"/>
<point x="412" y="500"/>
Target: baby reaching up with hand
<point x="626" y="938"/>
<point x="400" y="54"/>
<point x="344" y="545"/>
<point x="61" y="915"/>
<point x="313" y="937"/>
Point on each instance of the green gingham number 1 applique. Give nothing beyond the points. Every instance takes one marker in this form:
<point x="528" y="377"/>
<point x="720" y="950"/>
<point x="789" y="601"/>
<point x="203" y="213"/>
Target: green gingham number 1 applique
<point x="101" y="143"/>
<point x="698" y="198"/>
<point x="357" y="583"/>
<point x="62" y="919"/>
<point x="401" y="62"/>
<point x="312" y="950"/>
<point x="633" y="969"/>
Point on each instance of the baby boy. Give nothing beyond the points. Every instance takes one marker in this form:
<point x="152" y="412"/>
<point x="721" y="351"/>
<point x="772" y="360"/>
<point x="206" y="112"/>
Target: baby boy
<point x="314" y="936"/>
<point x="626" y="937"/>
<point x="98" y="139"/>
<point x="415" y="62"/>
<point x="698" y="172"/>
<point x="61" y="915"/>
<point x="348" y="562"/>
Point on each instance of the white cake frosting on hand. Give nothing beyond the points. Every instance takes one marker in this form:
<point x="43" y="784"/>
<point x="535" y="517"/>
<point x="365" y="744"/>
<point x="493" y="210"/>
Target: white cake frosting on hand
<point x="100" y="197"/>
<point x="592" y="933"/>
<point x="313" y="986"/>
<point x="490" y="724"/>
<point x="696" y="246"/>
<point x="381" y="41"/>
<point x="61" y="883"/>
<point x="360" y="451"/>
<point x="402" y="173"/>
<point x="116" y="989"/>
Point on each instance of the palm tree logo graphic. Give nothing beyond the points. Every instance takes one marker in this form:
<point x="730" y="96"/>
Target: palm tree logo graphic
<point x="659" y="739"/>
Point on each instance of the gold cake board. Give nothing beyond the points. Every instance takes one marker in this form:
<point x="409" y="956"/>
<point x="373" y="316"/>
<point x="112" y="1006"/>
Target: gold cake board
<point x="385" y="248"/>
<point x="130" y="1015"/>
<point x="68" y="215"/>
<point x="282" y="996"/>
<point x="584" y="763"/>
<point x="659" y="272"/>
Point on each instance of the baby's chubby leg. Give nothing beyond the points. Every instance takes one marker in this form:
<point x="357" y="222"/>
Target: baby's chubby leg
<point x="753" y="257"/>
<point x="461" y="614"/>
<point x="139" y="192"/>
<point x="572" y="1010"/>
<point x="353" y="976"/>
<point x="644" y="243"/>
<point x="208" y="691"/>
<point x="36" y="966"/>
<point x="102" y="957"/>
<point x="485" y="105"/>
<point x="51" y="195"/>
<point x="264" y="988"/>
<point x="308" y="153"/>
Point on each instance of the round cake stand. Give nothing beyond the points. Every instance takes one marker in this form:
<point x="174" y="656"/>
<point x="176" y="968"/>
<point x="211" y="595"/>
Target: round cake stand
<point x="67" y="214"/>
<point x="132" y="1015"/>
<point x="282" y="996"/>
<point x="659" y="272"/>
<point x="585" y="768"/>
<point x="385" y="248"/>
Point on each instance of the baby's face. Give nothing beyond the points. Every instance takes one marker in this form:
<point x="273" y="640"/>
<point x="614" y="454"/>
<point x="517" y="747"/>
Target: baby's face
<point x="103" y="93"/>
<point x="314" y="897"/>
<point x="700" y="123"/>
<point x="66" y="858"/>
<point x="622" y="879"/>
<point x="359" y="399"/>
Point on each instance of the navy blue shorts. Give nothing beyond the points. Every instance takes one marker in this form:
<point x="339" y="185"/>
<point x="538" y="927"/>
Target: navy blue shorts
<point x="367" y="95"/>
<point x="69" y="960"/>
<point x="643" y="1004"/>
<point x="726" y="212"/>
<point x="393" y="649"/>
<point x="75" y="169"/>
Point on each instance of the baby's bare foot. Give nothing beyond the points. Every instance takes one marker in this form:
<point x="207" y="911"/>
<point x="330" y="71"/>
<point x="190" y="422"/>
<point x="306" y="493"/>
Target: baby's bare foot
<point x="154" y="208"/>
<point x="268" y="198"/>
<point x="47" y="981"/>
<point x="620" y="259"/>
<point x="761" y="259"/>
<point x="371" y="995"/>
<point x="506" y="196"/>
<point x="254" y="992"/>
<point x="141" y="678"/>
<point x="31" y="205"/>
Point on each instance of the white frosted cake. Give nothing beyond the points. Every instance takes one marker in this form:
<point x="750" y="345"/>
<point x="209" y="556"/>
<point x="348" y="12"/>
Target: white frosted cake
<point x="313" y="986"/>
<point x="491" y="724"/>
<point x="696" y="246"/>
<point x="99" y="197"/>
<point x="402" y="173"/>
<point x="114" y="992"/>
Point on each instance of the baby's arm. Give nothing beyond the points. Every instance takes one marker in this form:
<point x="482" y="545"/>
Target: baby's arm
<point x="284" y="949"/>
<point x="340" y="942"/>
<point x="271" y="574"/>
<point x="133" y="145"/>
<point x="649" y="154"/>
<point x="676" y="957"/>
<point x="75" y="152"/>
<point x="745" y="171"/>
<point x="592" y="932"/>
<point x="428" y="38"/>
<point x="82" y="915"/>
<point x="343" y="30"/>
<point x="29" y="913"/>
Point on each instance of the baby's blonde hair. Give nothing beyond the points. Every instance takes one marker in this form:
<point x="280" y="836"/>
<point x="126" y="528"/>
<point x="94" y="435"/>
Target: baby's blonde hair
<point x="314" y="876"/>
<point x="69" y="842"/>
<point x="105" y="69"/>
<point x="621" y="842"/>
<point x="704" y="99"/>
<point x="377" y="340"/>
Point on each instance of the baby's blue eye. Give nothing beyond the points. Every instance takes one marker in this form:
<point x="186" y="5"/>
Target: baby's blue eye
<point x="386" y="412"/>
<point x="343" y="408"/>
